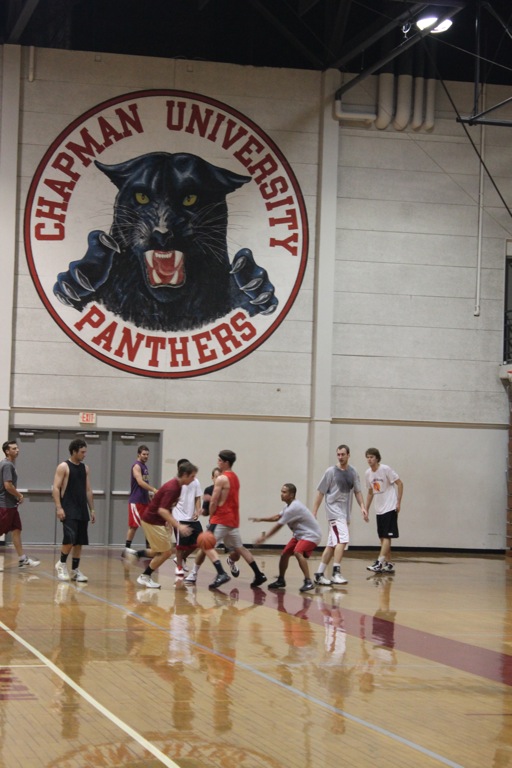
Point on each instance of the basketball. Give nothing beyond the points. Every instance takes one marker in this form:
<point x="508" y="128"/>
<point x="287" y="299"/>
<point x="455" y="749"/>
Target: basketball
<point x="206" y="540"/>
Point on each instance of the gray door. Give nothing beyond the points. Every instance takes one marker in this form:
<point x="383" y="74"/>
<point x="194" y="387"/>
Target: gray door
<point x="124" y="453"/>
<point x="35" y="465"/>
<point x="40" y="452"/>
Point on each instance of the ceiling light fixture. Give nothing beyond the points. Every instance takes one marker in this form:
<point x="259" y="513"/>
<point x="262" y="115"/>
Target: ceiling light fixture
<point x="434" y="22"/>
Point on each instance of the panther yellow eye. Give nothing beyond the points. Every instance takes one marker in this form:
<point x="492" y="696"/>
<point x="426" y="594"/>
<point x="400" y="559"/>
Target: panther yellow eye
<point x="189" y="200"/>
<point x="142" y="198"/>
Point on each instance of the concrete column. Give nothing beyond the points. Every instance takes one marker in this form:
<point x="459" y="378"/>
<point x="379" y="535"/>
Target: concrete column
<point x="9" y="136"/>
<point x="319" y="453"/>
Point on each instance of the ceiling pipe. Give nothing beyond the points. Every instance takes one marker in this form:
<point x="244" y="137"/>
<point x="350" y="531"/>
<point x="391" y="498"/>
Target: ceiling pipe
<point x="386" y="92"/>
<point x="431" y="83"/>
<point x="418" y="103"/>
<point x="352" y="115"/>
<point x="404" y="93"/>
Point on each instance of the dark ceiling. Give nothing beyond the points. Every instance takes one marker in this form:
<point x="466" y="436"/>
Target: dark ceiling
<point x="304" y="34"/>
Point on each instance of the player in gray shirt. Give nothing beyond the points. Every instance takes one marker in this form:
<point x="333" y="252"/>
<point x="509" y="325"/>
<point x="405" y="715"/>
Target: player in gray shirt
<point x="336" y="488"/>
<point x="306" y="535"/>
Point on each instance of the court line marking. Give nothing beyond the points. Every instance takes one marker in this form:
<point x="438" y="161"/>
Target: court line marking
<point x="92" y="701"/>
<point x="312" y="699"/>
<point x="242" y="665"/>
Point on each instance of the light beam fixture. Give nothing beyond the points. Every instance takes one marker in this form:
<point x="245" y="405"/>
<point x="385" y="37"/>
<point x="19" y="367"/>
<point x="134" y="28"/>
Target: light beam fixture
<point x="434" y="22"/>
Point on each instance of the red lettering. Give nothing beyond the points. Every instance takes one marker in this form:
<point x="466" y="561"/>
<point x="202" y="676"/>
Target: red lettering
<point x="64" y="162"/>
<point x="290" y="218"/>
<point x="200" y="340"/>
<point x="289" y="243"/>
<point x="274" y="187"/>
<point x="88" y="150"/>
<point x="244" y="327"/>
<point x="199" y="120"/>
<point x="266" y="167"/>
<point x="108" y="132"/>
<point x="126" y="120"/>
<point x="62" y="188"/>
<point x="128" y="345"/>
<point x="231" y="138"/>
<point x="106" y="337"/>
<point x="225" y="336"/>
<point x="179" y="347"/>
<point x="155" y="343"/>
<point x="94" y="317"/>
<point x="243" y="154"/>
<point x="57" y="233"/>
<point x="48" y="209"/>
<point x="212" y="136"/>
<point x="176" y="125"/>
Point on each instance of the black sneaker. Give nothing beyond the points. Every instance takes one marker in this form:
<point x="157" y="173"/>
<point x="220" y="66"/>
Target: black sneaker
<point x="221" y="579"/>
<point x="259" y="580"/>
<point x="279" y="583"/>
<point x="308" y="584"/>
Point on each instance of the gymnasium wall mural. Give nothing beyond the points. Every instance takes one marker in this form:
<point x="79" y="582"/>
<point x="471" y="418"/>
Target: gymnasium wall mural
<point x="166" y="233"/>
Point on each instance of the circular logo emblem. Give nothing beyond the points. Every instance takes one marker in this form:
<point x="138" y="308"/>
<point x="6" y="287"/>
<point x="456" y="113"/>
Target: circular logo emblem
<point x="166" y="233"/>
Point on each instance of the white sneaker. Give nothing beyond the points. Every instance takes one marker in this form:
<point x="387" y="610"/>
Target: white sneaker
<point x="190" y="579"/>
<point x="146" y="581"/>
<point x="62" y="571"/>
<point x="337" y="578"/>
<point x="183" y="565"/>
<point x="130" y="554"/>
<point x="179" y="572"/>
<point x="77" y="575"/>
<point x="322" y="580"/>
<point x="28" y="562"/>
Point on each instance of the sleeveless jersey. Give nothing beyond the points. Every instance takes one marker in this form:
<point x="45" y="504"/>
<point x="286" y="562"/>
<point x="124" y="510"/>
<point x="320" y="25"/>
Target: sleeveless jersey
<point x="74" y="498"/>
<point x="139" y="495"/>
<point x="229" y="513"/>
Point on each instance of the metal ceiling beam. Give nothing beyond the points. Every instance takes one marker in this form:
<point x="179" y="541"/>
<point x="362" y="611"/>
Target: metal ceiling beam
<point x="404" y="46"/>
<point x="335" y="35"/>
<point x="283" y="29"/>
<point x="376" y="32"/>
<point x="23" y="19"/>
<point x="306" y="5"/>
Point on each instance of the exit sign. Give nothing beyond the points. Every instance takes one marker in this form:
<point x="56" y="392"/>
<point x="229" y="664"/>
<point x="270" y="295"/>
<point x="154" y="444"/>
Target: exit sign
<point x="87" y="417"/>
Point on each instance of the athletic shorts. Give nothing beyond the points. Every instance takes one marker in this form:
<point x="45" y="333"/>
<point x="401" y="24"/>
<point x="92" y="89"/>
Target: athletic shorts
<point x="338" y="533"/>
<point x="299" y="546"/>
<point x="230" y="536"/>
<point x="387" y="525"/>
<point x="189" y="542"/>
<point x="134" y="514"/>
<point x="9" y="520"/>
<point x="159" y="537"/>
<point x="75" y="531"/>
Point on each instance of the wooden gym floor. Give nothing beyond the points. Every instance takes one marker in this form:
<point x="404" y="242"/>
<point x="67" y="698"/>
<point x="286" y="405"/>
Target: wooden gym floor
<point x="406" y="671"/>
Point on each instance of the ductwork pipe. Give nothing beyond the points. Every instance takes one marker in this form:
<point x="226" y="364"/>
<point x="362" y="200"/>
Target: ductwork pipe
<point x="403" y="102"/>
<point x="386" y="103"/>
<point x="404" y="92"/>
<point x="415" y="101"/>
